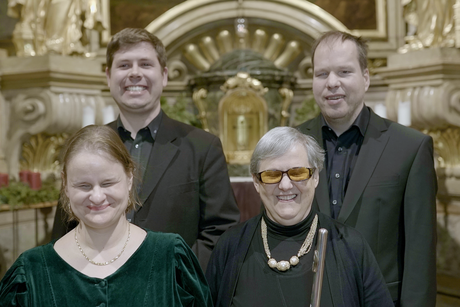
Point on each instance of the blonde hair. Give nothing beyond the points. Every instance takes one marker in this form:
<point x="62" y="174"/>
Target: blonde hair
<point x="100" y="139"/>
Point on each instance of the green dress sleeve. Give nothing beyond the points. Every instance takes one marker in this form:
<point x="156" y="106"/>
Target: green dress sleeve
<point x="191" y="285"/>
<point x="13" y="286"/>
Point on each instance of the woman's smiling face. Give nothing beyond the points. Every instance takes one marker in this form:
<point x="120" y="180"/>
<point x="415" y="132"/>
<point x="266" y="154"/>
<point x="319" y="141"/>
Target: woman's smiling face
<point x="287" y="202"/>
<point x="98" y="188"/>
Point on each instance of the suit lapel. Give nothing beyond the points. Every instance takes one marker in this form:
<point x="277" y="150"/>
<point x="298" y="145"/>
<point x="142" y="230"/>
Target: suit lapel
<point x="371" y="150"/>
<point x="313" y="128"/>
<point x="163" y="152"/>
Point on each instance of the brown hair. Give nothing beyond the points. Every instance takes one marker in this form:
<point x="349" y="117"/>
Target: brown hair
<point x="131" y="36"/>
<point x="331" y="36"/>
<point x="100" y="139"/>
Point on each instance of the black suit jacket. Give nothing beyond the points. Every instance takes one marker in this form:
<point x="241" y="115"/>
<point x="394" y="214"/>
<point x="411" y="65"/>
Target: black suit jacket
<point x="391" y="200"/>
<point x="351" y="277"/>
<point x="185" y="189"/>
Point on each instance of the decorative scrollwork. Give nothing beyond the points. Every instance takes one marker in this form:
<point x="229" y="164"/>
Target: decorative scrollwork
<point x="177" y="70"/>
<point x="243" y="79"/>
<point x="305" y="69"/>
<point x="29" y="109"/>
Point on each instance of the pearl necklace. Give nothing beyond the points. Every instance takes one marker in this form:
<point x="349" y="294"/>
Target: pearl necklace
<point x="107" y="262"/>
<point x="304" y="249"/>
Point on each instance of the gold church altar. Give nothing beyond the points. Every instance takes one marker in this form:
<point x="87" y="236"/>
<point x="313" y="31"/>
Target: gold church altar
<point x="242" y="67"/>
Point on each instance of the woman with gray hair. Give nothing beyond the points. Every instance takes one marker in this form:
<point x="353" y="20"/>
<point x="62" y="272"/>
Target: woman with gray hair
<point x="267" y="261"/>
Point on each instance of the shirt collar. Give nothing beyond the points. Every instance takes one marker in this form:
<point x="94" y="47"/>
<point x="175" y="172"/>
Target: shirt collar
<point x="153" y="127"/>
<point x="361" y="122"/>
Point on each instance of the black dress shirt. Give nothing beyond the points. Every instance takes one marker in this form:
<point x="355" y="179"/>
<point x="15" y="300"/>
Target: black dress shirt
<point x="139" y="148"/>
<point x="341" y="156"/>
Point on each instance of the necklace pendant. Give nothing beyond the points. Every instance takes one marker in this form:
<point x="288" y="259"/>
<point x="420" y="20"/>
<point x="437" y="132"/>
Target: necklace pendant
<point x="283" y="266"/>
<point x="294" y="260"/>
<point x="272" y="263"/>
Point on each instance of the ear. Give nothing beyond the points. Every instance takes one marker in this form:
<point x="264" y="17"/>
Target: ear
<point x="256" y="183"/>
<point x="315" y="179"/>
<point x="107" y="75"/>
<point x="367" y="80"/>
<point x="165" y="76"/>
<point x="130" y="182"/>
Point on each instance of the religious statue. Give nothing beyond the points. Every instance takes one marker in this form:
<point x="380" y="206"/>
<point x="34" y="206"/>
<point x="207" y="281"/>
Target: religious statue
<point x="430" y="24"/>
<point x="60" y="26"/>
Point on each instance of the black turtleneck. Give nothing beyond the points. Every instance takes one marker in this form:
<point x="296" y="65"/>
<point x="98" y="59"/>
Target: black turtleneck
<point x="259" y="285"/>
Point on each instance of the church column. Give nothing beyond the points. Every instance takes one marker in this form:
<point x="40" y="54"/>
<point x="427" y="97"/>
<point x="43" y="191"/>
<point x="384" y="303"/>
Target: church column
<point x="47" y="94"/>
<point x="424" y="93"/>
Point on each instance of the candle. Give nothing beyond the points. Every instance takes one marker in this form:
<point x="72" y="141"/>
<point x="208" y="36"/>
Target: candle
<point x="404" y="116"/>
<point x="381" y="110"/>
<point x="35" y="181"/>
<point x="3" y="180"/>
<point x="108" y="114"/>
<point x="24" y="176"/>
<point x="89" y="116"/>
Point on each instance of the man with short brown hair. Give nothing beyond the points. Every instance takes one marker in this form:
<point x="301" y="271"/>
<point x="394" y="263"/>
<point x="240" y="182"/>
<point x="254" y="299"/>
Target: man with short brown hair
<point x="185" y="187"/>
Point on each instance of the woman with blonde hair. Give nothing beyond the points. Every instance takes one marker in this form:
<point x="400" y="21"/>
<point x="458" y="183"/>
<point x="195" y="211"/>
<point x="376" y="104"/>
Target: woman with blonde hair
<point x="105" y="260"/>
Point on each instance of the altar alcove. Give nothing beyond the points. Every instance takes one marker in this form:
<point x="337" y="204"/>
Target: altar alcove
<point x="239" y="98"/>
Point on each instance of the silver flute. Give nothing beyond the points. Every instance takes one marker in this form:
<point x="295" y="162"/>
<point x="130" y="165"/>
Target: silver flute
<point x="318" y="267"/>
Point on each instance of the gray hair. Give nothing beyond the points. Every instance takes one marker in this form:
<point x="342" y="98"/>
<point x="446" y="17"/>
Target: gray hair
<point x="279" y="140"/>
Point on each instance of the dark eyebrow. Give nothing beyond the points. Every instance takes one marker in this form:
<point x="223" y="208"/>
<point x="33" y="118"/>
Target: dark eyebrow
<point x="346" y="67"/>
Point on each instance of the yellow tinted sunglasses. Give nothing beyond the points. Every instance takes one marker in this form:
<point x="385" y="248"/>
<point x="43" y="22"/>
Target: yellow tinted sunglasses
<point x="295" y="174"/>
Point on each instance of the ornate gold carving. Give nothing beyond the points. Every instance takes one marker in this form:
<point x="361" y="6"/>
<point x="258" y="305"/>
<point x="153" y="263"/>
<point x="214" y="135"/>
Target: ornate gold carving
<point x="430" y="24"/>
<point x="192" y="54"/>
<point x="225" y="41"/>
<point x="287" y="95"/>
<point x="239" y="157"/>
<point x="447" y="146"/>
<point x="260" y="39"/>
<point x="210" y="53"/>
<point x="243" y="117"/>
<point x="56" y="26"/>
<point x="374" y="64"/>
<point x="208" y="46"/>
<point x="274" y="46"/>
<point x="292" y="50"/>
<point x="198" y="99"/>
<point x="41" y="154"/>
<point x="243" y="79"/>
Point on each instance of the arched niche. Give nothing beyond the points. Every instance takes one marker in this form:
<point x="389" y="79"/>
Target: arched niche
<point x="298" y="14"/>
<point x="193" y="28"/>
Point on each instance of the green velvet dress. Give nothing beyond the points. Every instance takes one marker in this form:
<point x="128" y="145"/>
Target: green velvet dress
<point x="162" y="272"/>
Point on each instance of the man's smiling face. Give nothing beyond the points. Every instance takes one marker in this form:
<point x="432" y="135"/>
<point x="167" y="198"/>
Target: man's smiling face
<point x="136" y="79"/>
